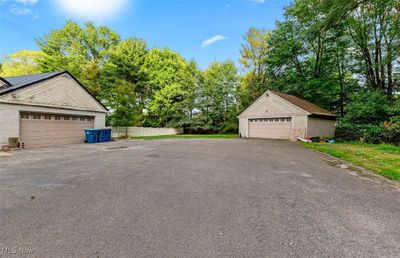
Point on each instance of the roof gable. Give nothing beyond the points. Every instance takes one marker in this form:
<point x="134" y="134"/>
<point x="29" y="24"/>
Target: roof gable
<point x="304" y="104"/>
<point x="3" y="83"/>
<point x="270" y="105"/>
<point x="273" y="103"/>
<point x="60" y="90"/>
<point x="16" y="82"/>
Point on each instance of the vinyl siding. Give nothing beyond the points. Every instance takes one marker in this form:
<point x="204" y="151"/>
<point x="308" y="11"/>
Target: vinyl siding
<point x="320" y="127"/>
<point x="61" y="91"/>
<point x="272" y="106"/>
<point x="243" y="127"/>
<point x="299" y="128"/>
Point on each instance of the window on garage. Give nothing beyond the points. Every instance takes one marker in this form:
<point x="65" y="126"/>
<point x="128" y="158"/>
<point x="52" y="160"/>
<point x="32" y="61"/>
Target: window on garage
<point x="270" y="120"/>
<point x="47" y="117"/>
<point x="25" y="116"/>
<point x="36" y="117"/>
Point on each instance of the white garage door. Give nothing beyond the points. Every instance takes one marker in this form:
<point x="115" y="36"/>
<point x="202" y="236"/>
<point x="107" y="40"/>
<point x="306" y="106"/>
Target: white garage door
<point x="38" y="130"/>
<point x="272" y="128"/>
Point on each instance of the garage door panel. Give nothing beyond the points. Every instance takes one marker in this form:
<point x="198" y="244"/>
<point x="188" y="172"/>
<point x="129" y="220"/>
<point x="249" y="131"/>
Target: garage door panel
<point x="53" y="138"/>
<point x="273" y="128"/>
<point x="42" y="143"/>
<point x="48" y="132"/>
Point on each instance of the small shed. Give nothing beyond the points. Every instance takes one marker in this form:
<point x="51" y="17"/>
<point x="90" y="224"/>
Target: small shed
<point x="47" y="109"/>
<point x="276" y="115"/>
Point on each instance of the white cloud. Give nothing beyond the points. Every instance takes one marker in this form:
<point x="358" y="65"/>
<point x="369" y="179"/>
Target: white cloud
<point x="92" y="9"/>
<point x="27" y="2"/>
<point x="212" y="40"/>
<point x="22" y="7"/>
<point x="258" y="1"/>
<point x="20" y="11"/>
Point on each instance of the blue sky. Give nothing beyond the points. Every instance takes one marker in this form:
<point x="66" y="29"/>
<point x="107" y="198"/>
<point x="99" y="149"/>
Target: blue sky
<point x="205" y="30"/>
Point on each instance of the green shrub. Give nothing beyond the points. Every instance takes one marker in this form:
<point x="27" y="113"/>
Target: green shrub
<point x="395" y="110"/>
<point x="347" y="132"/>
<point x="365" y="133"/>
<point x="372" y="134"/>
<point x="391" y="134"/>
<point x="367" y="108"/>
<point x="369" y="133"/>
<point x="228" y="127"/>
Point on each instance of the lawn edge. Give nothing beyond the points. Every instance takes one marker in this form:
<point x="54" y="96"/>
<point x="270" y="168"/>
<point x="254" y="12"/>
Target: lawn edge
<point x="358" y="167"/>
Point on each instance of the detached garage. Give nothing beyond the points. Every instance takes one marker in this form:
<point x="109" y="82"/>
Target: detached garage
<point x="276" y="115"/>
<point x="47" y="109"/>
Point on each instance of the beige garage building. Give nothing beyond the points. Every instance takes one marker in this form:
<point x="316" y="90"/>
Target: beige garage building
<point x="277" y="115"/>
<point x="47" y="109"/>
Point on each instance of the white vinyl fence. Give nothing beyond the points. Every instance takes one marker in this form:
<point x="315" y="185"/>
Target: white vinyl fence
<point x="118" y="131"/>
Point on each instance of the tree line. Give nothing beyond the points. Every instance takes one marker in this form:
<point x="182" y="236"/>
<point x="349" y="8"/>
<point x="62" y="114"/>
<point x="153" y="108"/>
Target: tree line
<point x="142" y="86"/>
<point x="343" y="55"/>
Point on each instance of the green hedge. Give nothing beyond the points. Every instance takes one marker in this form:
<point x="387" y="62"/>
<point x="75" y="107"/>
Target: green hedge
<point x="392" y="134"/>
<point x="369" y="133"/>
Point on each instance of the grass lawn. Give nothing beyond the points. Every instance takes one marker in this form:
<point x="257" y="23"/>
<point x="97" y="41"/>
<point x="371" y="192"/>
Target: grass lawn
<point x="189" y="136"/>
<point x="383" y="159"/>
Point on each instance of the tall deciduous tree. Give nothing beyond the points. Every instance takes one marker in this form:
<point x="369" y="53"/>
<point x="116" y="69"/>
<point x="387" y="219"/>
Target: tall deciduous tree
<point x="123" y="82"/>
<point x="169" y="82"/>
<point x="80" y="50"/>
<point x="375" y="29"/>
<point x="217" y="96"/>
<point x="254" y="53"/>
<point x="21" y="62"/>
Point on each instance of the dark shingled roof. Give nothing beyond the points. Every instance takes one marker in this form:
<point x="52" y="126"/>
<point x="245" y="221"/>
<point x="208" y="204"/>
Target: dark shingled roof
<point x="16" y="82"/>
<point x="304" y="104"/>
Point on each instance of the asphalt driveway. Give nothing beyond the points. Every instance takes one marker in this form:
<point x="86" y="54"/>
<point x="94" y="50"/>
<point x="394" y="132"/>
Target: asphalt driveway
<point x="192" y="198"/>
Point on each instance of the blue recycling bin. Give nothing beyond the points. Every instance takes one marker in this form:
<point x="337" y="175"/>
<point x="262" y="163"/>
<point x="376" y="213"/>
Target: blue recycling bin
<point x="91" y="135"/>
<point x="102" y="135"/>
<point x="108" y="134"/>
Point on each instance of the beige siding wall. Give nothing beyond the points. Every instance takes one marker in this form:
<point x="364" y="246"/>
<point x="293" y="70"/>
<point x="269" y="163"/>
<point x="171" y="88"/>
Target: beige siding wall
<point x="61" y="91"/>
<point x="10" y="122"/>
<point x="243" y="127"/>
<point x="272" y="106"/>
<point x="320" y="127"/>
<point x="299" y="127"/>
